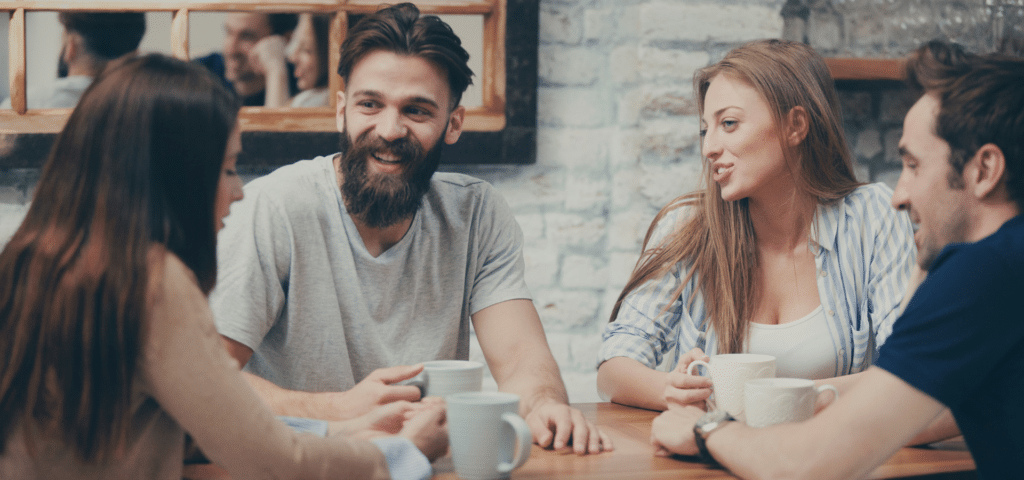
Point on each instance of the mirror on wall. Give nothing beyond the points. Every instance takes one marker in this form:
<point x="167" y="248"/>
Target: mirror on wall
<point x="500" y="124"/>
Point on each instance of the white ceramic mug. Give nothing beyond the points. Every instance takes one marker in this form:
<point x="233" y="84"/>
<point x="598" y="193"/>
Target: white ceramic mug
<point x="729" y="372"/>
<point x="441" y="378"/>
<point x="487" y="437"/>
<point x="771" y="401"/>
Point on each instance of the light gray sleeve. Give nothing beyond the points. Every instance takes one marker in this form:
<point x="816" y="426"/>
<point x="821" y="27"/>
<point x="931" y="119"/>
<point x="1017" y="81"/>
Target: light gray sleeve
<point x="253" y="256"/>
<point x="500" y="273"/>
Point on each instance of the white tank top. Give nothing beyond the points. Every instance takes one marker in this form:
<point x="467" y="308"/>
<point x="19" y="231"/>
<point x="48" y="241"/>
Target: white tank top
<point x="802" y="348"/>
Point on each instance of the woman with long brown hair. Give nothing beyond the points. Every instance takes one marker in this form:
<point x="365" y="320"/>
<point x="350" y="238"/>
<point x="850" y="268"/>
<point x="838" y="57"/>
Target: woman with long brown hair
<point x="782" y="252"/>
<point x="110" y="351"/>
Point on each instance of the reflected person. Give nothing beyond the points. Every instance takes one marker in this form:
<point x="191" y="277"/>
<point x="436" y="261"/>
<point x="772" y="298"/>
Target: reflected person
<point x="253" y="47"/>
<point x="90" y="40"/>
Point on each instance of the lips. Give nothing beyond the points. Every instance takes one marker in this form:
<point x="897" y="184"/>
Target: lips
<point x="721" y="171"/>
<point x="387" y="158"/>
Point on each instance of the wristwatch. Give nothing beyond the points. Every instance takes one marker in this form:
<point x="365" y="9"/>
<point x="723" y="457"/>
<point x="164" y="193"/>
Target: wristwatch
<point x="706" y="424"/>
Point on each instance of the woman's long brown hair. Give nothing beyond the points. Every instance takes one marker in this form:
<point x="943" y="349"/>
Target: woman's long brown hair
<point x="717" y="242"/>
<point x="136" y="166"/>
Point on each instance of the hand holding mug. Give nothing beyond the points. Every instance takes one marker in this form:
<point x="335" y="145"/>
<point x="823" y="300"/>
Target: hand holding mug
<point x="682" y="388"/>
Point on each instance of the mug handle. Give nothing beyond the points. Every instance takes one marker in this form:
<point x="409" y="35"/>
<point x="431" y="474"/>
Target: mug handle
<point x="525" y="439"/>
<point x="696" y="363"/>
<point x="420" y="381"/>
<point x="834" y="390"/>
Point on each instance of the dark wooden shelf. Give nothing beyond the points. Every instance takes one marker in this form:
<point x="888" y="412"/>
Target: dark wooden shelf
<point x="865" y="68"/>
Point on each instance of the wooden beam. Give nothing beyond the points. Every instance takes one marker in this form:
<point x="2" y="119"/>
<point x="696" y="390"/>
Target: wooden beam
<point x="865" y="68"/>
<point x="179" y="34"/>
<point x="16" y="61"/>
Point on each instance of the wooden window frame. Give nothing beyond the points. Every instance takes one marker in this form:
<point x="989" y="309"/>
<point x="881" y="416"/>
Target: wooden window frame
<point x="502" y="130"/>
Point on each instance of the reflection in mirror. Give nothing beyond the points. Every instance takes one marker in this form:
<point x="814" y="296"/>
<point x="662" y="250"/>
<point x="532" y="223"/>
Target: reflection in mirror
<point x="66" y="50"/>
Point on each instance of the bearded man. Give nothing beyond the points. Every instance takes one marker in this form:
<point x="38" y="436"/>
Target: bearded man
<point x="339" y="275"/>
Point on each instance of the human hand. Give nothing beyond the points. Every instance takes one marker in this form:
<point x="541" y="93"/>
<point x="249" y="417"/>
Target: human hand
<point x="268" y="55"/>
<point x="428" y="430"/>
<point x="682" y="389"/>
<point x="378" y="388"/>
<point x="554" y="424"/>
<point x="672" y="431"/>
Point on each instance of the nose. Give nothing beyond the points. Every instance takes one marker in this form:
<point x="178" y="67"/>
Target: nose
<point x="900" y="198"/>
<point x="391" y="126"/>
<point x="710" y="147"/>
<point x="230" y="44"/>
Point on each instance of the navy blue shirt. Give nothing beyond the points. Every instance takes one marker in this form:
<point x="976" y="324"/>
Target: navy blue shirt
<point x="961" y="341"/>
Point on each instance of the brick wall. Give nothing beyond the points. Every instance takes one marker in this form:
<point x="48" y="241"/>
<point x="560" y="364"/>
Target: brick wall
<point x="617" y="129"/>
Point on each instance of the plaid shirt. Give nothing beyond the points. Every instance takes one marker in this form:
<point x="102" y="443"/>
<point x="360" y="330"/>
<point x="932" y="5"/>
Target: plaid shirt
<point x="863" y="254"/>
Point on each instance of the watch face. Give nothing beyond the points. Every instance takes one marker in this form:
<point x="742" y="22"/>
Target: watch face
<point x="716" y="416"/>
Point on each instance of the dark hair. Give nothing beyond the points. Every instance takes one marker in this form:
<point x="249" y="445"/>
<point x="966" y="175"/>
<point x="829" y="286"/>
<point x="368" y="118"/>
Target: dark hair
<point x="401" y="29"/>
<point x="107" y="35"/>
<point x="981" y="102"/>
<point x="322" y="39"/>
<point x="282" y="23"/>
<point x="136" y="167"/>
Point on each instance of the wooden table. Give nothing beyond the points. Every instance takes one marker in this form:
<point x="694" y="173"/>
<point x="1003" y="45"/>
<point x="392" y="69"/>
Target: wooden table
<point x="630" y="429"/>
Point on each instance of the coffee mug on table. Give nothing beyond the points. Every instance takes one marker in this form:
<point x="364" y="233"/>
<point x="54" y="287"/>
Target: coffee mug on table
<point x="729" y="372"/>
<point x="441" y="378"/>
<point x="487" y="437"/>
<point x="771" y="401"/>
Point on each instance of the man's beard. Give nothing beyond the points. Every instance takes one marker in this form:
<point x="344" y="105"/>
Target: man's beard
<point x="383" y="200"/>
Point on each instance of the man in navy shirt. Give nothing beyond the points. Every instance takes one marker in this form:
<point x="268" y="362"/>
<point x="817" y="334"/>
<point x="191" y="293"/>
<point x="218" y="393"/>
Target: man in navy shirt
<point x="959" y="345"/>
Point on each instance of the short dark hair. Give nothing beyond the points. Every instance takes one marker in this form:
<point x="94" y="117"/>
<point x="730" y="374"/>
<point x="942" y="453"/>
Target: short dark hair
<point x="107" y="35"/>
<point x="401" y="29"/>
<point x="282" y="23"/>
<point x="981" y="102"/>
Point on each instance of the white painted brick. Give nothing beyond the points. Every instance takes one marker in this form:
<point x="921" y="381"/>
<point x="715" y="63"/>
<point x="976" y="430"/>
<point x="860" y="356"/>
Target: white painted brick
<point x="631" y="103"/>
<point x="655" y="184"/>
<point x="541" y="267"/>
<point x="559" y="26"/>
<point x="624" y="63"/>
<point x="889" y="177"/>
<point x="620" y="266"/>
<point x="891" y="145"/>
<point x="562" y="310"/>
<point x="672" y="140"/>
<point x="627" y="228"/>
<point x="575" y="231"/>
<point x="576" y="149"/>
<point x="539" y="189"/>
<point x="586" y="193"/>
<point x="532" y="225"/>
<point x="626" y="147"/>
<point x="672" y="65"/>
<point x="584" y="272"/>
<point x="573" y="107"/>
<point x="611" y="24"/>
<point x="575" y="66"/>
<point x="709" y="21"/>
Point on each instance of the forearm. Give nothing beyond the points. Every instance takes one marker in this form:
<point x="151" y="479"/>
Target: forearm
<point x="536" y="379"/>
<point x="629" y="382"/>
<point x="942" y="428"/>
<point x="296" y="403"/>
<point x="277" y="88"/>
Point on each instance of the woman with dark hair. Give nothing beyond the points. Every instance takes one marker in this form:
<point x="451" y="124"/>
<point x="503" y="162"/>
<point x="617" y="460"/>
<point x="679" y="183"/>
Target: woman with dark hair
<point x="110" y="351"/>
<point x="783" y="252"/>
<point x="308" y="53"/>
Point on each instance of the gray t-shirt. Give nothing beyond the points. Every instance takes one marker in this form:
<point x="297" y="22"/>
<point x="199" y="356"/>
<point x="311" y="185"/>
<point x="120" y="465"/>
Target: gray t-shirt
<point x="296" y="284"/>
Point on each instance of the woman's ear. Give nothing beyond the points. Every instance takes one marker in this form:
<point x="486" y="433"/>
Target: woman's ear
<point x="797" y="125"/>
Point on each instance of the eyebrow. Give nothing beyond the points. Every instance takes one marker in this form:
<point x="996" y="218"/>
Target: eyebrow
<point x="720" y="110"/>
<point x="903" y="152"/>
<point x="376" y="94"/>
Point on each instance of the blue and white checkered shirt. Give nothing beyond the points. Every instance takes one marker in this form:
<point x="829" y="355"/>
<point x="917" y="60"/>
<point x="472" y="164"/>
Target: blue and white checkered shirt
<point x="863" y="253"/>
